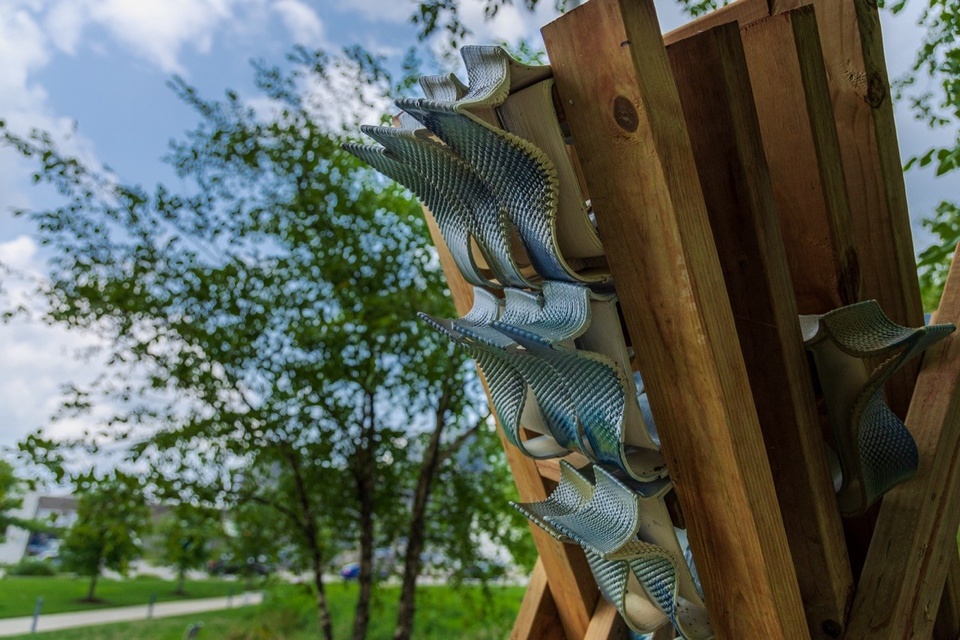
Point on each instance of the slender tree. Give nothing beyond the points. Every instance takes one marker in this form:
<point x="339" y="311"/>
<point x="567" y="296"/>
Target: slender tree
<point x="261" y="327"/>
<point x="189" y="533"/>
<point x="112" y="517"/>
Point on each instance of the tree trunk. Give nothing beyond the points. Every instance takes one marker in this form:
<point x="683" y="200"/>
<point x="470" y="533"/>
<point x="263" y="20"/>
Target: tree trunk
<point x="181" y="578"/>
<point x="365" y="479"/>
<point x="324" y="621"/>
<point x="307" y="524"/>
<point x="93" y="586"/>
<point x="415" y="536"/>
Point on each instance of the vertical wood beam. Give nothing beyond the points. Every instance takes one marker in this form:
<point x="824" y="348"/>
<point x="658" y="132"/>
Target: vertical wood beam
<point x="863" y="108"/>
<point x="711" y="73"/>
<point x="792" y="97"/>
<point x="626" y="120"/>
<point x="916" y="534"/>
<point x="863" y="111"/>
<point x="572" y="587"/>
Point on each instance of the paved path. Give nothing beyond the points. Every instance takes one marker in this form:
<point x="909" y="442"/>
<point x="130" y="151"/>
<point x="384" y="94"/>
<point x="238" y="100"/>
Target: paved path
<point x="53" y="621"/>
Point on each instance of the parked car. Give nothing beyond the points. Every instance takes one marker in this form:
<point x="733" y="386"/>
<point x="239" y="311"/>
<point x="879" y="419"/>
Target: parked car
<point x="384" y="562"/>
<point x="228" y="565"/>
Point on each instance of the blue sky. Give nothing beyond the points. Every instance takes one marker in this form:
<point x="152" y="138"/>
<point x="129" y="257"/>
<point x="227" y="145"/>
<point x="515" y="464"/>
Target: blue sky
<point x="94" y="72"/>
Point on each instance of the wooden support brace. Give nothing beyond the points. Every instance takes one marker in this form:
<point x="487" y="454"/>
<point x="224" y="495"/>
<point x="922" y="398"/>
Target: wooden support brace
<point x="916" y="535"/>
<point x="538" y="616"/>
<point x="625" y="116"/>
<point x="712" y="79"/>
<point x="607" y="624"/>
<point x="573" y="590"/>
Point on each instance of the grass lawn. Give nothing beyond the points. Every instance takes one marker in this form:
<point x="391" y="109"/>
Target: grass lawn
<point x="288" y="614"/>
<point x="18" y="595"/>
<point x="217" y="625"/>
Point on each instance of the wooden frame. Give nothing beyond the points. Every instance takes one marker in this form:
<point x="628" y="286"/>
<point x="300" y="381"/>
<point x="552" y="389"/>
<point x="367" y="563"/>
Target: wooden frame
<point x="751" y="212"/>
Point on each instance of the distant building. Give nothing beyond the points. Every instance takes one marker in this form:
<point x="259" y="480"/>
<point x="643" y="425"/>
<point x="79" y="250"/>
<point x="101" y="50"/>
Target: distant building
<point x="58" y="511"/>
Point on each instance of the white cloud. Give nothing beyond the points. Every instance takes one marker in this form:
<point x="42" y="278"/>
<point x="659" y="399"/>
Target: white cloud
<point x="155" y="30"/>
<point x="394" y="11"/>
<point x="303" y="22"/>
<point x="37" y="359"/>
<point x="19" y="252"/>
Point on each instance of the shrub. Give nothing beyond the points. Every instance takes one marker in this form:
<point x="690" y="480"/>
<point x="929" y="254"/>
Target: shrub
<point x="32" y="568"/>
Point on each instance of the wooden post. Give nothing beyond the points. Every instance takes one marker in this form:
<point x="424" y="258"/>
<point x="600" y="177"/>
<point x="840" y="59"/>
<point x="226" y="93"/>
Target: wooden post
<point x="863" y="113"/>
<point x="712" y="79"/>
<point x="903" y="577"/>
<point x="800" y="142"/>
<point x="623" y="111"/>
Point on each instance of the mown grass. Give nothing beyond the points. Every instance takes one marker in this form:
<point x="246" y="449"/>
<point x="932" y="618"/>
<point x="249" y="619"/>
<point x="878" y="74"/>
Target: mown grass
<point x="18" y="594"/>
<point x="288" y="613"/>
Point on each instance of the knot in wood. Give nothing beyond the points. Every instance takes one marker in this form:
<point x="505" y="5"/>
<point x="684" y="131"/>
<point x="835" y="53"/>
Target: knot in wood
<point x="625" y="114"/>
<point x="876" y="90"/>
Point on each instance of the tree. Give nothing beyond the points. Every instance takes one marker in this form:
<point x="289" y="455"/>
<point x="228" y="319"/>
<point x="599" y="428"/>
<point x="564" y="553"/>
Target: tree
<point x="189" y="532"/>
<point x="112" y="516"/>
<point x="11" y="499"/>
<point x="262" y="329"/>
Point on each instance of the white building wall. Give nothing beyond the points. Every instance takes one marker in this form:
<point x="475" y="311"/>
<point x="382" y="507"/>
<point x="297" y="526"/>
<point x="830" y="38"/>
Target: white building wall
<point x="15" y="544"/>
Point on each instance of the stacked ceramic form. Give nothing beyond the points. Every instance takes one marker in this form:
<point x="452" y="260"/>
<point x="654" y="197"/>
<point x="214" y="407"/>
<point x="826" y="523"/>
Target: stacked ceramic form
<point x="489" y="160"/>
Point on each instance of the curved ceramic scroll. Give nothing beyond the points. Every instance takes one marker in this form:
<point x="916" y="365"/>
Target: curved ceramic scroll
<point x="875" y="448"/>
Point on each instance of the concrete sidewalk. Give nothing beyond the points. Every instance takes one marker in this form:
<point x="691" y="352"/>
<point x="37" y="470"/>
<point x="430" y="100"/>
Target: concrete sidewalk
<point x="54" y="621"/>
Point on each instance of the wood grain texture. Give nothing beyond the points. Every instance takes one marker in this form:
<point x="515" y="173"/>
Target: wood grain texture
<point x="573" y="589"/>
<point x="626" y="120"/>
<point x="711" y="73"/>
<point x="538" y="618"/>
<point x="607" y="624"/>
<point x="740" y="11"/>
<point x="915" y="538"/>
<point x="947" y="625"/>
<point x="863" y="109"/>
<point x="803" y="153"/>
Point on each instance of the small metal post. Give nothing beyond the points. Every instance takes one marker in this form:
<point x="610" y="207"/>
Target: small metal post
<point x="36" y="615"/>
<point x="153" y="600"/>
<point x="230" y="598"/>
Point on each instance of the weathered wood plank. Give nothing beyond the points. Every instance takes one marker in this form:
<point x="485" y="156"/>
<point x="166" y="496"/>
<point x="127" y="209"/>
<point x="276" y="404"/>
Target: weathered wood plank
<point x="740" y="11"/>
<point x="573" y="588"/>
<point x="538" y="617"/>
<point x="863" y="108"/>
<point x="800" y="141"/>
<point x="915" y="538"/>
<point x="947" y="626"/>
<point x="625" y="116"/>
<point x="711" y="73"/>
<point x="606" y="624"/>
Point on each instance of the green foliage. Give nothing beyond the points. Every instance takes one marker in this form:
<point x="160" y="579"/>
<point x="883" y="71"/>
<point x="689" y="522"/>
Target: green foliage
<point x="32" y="568"/>
<point x="112" y="515"/>
<point x="63" y="593"/>
<point x="468" y="613"/>
<point x="933" y="91"/>
<point x="189" y="533"/>
<point x="11" y="499"/>
<point x="261" y="324"/>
